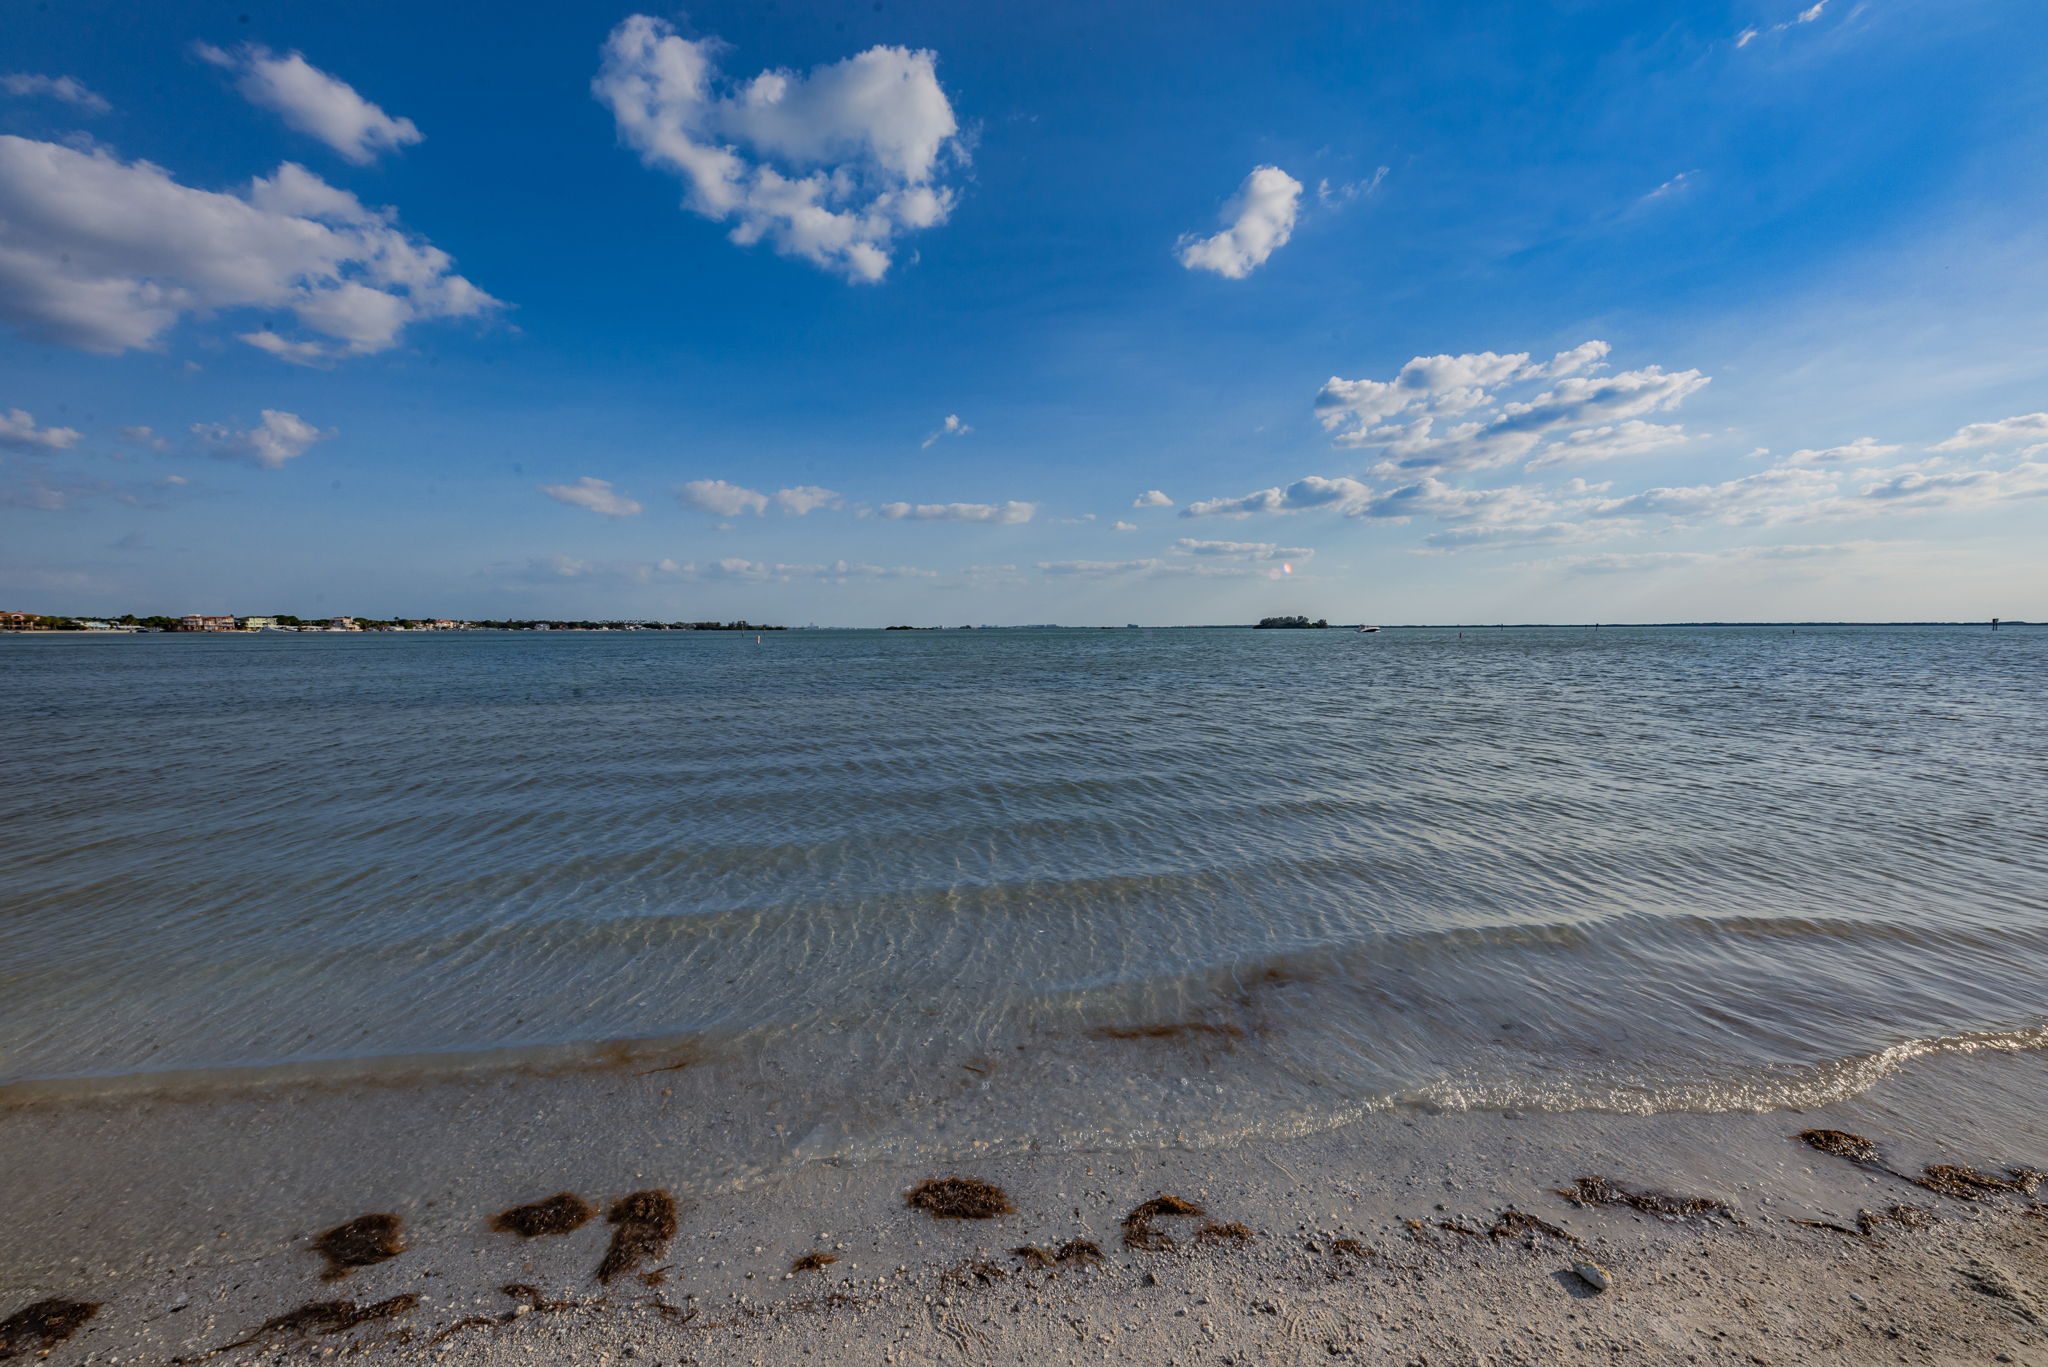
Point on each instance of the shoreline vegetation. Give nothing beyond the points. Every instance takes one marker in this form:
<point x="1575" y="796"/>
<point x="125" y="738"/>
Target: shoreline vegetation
<point x="19" y="624"/>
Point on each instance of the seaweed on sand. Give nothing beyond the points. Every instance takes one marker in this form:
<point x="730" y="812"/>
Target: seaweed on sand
<point x="1603" y="1191"/>
<point x="642" y="1225"/>
<point x="1841" y="1144"/>
<point x="1511" y="1224"/>
<point x="44" y="1325"/>
<point x="360" y="1242"/>
<point x="1138" y="1229"/>
<point x="1081" y="1251"/>
<point x="558" y="1214"/>
<point x="1232" y="1233"/>
<point x="1969" y="1184"/>
<point x="327" y="1317"/>
<point x="959" y="1198"/>
<point x="813" y="1262"/>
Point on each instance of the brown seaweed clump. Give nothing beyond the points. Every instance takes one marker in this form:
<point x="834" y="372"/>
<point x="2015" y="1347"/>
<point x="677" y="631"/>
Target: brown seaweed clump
<point x="1138" y="1229"/>
<point x="1074" y="1251"/>
<point x="1969" y="1184"/>
<point x="1232" y="1233"/>
<point x="327" y="1317"/>
<point x="1349" y="1248"/>
<point x="642" y="1225"/>
<point x="1602" y="1191"/>
<point x="40" y="1327"/>
<point x="814" y="1262"/>
<point x="360" y="1242"/>
<point x="1841" y="1144"/>
<point x="959" y="1198"/>
<point x="558" y="1214"/>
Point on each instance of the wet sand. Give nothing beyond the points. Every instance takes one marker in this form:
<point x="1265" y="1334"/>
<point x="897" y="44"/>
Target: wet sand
<point x="192" y="1221"/>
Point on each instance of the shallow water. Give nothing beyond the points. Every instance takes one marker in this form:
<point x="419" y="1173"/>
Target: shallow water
<point x="1193" y="883"/>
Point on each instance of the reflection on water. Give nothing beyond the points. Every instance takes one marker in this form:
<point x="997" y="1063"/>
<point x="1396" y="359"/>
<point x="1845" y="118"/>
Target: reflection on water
<point x="1260" y="878"/>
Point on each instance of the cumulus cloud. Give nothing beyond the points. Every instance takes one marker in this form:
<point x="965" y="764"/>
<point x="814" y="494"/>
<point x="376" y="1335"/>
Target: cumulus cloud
<point x="1257" y="220"/>
<point x="1582" y="416"/>
<point x="595" y="494"/>
<point x="951" y="427"/>
<point x="2025" y="427"/>
<point x="18" y="432"/>
<point x="1632" y="438"/>
<point x="66" y="88"/>
<point x="1241" y="550"/>
<point x="106" y="255"/>
<point x="1917" y="489"/>
<point x="1764" y="496"/>
<point x="829" y="166"/>
<point x="1123" y="526"/>
<point x="313" y="102"/>
<point x="805" y="498"/>
<point x="1002" y="514"/>
<point x="721" y="499"/>
<point x="279" y="438"/>
<point x="1311" y="492"/>
<point x="1152" y="498"/>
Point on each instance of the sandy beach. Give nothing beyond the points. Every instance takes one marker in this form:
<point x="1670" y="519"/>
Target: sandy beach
<point x="190" y="1217"/>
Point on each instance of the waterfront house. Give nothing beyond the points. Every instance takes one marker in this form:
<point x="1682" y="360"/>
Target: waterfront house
<point x="258" y="623"/>
<point x="342" y="624"/>
<point x="198" y="621"/>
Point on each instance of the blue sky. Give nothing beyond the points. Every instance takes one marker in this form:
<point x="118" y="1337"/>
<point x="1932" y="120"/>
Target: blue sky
<point x="1524" y="311"/>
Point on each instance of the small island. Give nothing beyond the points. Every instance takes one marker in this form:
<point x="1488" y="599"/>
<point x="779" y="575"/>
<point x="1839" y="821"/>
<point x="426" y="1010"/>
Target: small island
<point x="1289" y="623"/>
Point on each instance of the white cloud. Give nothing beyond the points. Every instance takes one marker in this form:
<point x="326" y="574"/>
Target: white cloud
<point x="18" y="431"/>
<point x="1631" y="438"/>
<point x="1481" y="536"/>
<point x="1241" y="550"/>
<point x="1642" y="562"/>
<point x="951" y="427"/>
<point x="313" y="102"/>
<point x="595" y="494"/>
<point x="721" y="499"/>
<point x="805" y="498"/>
<point x="1860" y="450"/>
<point x="2025" y="427"/>
<point x="1313" y="492"/>
<point x="549" y="568"/>
<point x="829" y="166"/>
<point x="1258" y="221"/>
<point x="1330" y="195"/>
<point x="280" y="437"/>
<point x="1805" y="16"/>
<point x="1123" y="526"/>
<point x="45" y="492"/>
<point x="1361" y="413"/>
<point x="1002" y="514"/>
<point x="1153" y="568"/>
<point x="142" y="436"/>
<point x="106" y="255"/>
<point x="1679" y="182"/>
<point x="1916" y="490"/>
<point x="66" y="88"/>
<point x="1764" y="496"/>
<point x="1152" y="498"/>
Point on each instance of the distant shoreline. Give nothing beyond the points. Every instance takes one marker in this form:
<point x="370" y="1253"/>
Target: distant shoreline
<point x="1336" y="627"/>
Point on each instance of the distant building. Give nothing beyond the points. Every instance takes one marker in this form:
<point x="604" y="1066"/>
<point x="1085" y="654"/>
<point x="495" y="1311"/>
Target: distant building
<point x="443" y="624"/>
<point x="196" y="621"/>
<point x="258" y="623"/>
<point x="342" y="624"/>
<point x="17" y="621"/>
<point x="97" y="626"/>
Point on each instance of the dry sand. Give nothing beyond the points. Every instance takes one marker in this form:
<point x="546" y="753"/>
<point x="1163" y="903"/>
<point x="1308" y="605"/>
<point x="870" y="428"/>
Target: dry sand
<point x="191" y="1219"/>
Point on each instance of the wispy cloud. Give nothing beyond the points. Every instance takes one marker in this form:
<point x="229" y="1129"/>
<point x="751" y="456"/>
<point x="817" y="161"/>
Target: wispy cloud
<point x="313" y="102"/>
<point x="65" y="88"/>
<point x="1001" y="514"/>
<point x="595" y="494"/>
<point x="951" y="427"/>
<point x="281" y="437"/>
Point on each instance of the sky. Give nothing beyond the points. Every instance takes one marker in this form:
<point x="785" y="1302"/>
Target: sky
<point x="855" y="314"/>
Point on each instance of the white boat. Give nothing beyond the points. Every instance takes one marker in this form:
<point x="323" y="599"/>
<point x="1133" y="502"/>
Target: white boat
<point x="1368" y="628"/>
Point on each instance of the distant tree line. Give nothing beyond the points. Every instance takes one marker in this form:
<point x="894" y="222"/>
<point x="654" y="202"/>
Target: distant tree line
<point x="1289" y="623"/>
